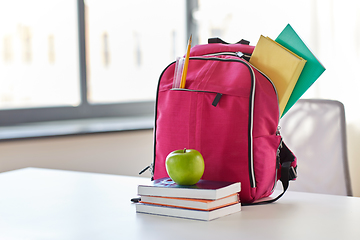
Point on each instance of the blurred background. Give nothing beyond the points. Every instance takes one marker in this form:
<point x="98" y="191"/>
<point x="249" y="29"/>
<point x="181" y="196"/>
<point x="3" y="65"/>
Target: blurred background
<point x="79" y="56"/>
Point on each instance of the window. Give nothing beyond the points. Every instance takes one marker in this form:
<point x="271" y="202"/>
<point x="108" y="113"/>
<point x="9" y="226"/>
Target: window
<point x="129" y="43"/>
<point x="68" y="59"/>
<point x="29" y="75"/>
<point x="74" y="59"/>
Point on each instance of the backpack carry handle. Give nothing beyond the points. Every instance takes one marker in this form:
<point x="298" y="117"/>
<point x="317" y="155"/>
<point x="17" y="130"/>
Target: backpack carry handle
<point x="219" y="40"/>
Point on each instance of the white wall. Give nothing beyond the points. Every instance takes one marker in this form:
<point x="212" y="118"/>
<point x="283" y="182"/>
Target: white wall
<point x="125" y="153"/>
<point x="353" y="137"/>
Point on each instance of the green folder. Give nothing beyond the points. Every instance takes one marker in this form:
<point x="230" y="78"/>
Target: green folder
<point x="312" y="69"/>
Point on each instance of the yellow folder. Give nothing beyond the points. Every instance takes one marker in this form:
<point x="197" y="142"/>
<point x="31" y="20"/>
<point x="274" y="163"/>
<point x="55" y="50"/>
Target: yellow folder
<point x="281" y="65"/>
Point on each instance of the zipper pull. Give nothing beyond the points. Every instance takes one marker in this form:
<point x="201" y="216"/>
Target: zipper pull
<point x="278" y="158"/>
<point x="278" y="130"/>
<point x="216" y="99"/>
<point x="146" y="168"/>
<point x="239" y="54"/>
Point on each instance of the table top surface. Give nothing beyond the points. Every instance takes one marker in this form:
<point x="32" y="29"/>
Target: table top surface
<point x="55" y="204"/>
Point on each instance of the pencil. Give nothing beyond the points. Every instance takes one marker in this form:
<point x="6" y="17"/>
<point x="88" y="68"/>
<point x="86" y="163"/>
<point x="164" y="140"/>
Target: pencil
<point x="186" y="64"/>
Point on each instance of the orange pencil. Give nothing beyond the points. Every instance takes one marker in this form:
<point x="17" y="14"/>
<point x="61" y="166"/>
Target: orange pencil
<point x="186" y="64"/>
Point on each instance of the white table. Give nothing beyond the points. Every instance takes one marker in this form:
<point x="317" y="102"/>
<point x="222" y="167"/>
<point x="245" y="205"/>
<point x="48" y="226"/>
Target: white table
<point x="54" y="204"/>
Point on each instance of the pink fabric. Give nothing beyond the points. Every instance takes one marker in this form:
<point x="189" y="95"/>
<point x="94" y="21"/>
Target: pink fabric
<point x="187" y="119"/>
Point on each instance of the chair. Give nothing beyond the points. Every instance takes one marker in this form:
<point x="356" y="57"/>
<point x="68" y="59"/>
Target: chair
<point x="314" y="129"/>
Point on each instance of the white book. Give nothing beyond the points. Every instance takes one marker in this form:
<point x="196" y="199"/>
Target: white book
<point x="187" y="213"/>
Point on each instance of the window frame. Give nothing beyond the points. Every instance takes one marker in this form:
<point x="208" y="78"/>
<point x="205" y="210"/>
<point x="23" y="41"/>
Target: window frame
<point x="85" y="110"/>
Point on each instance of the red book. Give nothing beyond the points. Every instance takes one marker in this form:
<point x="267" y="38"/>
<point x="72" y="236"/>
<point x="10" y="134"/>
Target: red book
<point x="190" y="203"/>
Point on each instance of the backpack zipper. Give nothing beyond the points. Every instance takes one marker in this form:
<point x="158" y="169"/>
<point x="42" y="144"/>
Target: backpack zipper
<point x="235" y="54"/>
<point x="215" y="101"/>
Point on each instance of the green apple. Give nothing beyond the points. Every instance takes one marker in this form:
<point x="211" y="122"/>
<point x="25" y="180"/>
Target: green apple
<point x="185" y="167"/>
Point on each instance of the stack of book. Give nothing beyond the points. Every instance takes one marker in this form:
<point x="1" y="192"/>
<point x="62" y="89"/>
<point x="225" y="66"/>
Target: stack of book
<point x="205" y="200"/>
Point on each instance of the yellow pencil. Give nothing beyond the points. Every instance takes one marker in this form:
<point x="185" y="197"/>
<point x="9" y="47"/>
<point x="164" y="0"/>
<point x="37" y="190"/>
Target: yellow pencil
<point x="186" y="64"/>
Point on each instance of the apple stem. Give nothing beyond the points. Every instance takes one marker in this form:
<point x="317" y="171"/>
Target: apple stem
<point x="184" y="150"/>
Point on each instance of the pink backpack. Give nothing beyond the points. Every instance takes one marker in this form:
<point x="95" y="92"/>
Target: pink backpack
<point x="229" y="112"/>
